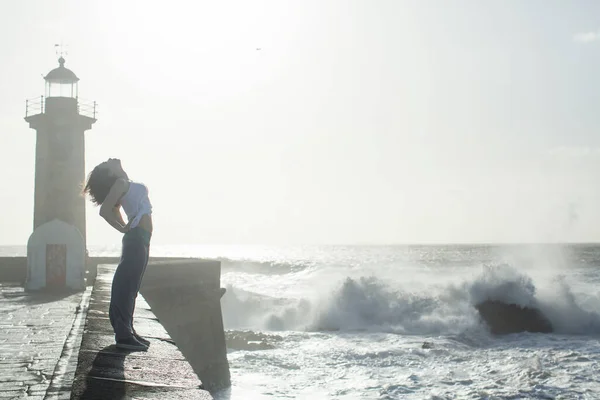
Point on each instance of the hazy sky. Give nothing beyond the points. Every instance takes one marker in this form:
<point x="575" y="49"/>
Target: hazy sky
<point x="356" y="122"/>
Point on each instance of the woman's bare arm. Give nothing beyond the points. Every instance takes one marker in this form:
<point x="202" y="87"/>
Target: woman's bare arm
<point x="109" y="209"/>
<point x="118" y="215"/>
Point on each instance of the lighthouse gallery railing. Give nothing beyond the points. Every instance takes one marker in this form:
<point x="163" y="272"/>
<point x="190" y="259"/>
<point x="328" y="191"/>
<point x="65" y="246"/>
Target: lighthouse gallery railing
<point x="37" y="105"/>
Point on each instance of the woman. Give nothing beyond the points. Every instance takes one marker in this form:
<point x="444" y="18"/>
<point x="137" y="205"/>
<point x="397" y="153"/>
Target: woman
<point x="110" y="188"/>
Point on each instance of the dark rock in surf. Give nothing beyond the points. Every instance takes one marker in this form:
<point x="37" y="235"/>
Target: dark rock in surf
<point x="503" y="318"/>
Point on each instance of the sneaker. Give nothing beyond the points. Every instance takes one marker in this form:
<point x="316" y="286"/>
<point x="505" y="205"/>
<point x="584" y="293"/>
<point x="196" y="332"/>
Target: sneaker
<point x="131" y="343"/>
<point x="140" y="339"/>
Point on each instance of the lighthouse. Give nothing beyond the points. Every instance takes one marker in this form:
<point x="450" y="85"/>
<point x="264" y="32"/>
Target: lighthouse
<point x="60" y="120"/>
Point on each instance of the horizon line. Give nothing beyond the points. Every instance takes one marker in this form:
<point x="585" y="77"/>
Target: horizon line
<point x="406" y="244"/>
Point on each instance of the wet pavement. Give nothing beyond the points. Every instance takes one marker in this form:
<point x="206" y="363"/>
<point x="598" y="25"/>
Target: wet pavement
<point x="39" y="339"/>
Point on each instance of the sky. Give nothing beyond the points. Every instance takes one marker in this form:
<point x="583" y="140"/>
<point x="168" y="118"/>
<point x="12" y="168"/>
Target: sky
<point x="322" y="122"/>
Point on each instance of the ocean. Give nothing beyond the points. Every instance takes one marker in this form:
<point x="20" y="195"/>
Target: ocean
<point x="398" y="322"/>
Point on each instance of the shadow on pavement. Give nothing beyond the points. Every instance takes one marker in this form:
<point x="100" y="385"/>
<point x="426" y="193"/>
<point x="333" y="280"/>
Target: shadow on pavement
<point x="106" y="378"/>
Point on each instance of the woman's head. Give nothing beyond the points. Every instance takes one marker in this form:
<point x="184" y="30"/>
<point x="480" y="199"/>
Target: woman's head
<point x="101" y="179"/>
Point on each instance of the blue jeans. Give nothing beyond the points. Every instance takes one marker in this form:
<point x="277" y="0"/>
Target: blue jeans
<point x="127" y="280"/>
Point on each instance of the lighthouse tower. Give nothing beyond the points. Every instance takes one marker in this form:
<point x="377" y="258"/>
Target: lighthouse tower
<point x="60" y="120"/>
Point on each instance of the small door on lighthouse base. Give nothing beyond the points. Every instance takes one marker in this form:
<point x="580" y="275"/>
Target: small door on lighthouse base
<point x="55" y="258"/>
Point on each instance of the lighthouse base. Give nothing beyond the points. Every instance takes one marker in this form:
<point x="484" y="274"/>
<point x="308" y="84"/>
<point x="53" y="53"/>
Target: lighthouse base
<point x="55" y="258"/>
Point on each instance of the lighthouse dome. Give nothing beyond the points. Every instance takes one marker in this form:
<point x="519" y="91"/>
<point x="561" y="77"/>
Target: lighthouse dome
<point x="61" y="74"/>
<point x="61" y="81"/>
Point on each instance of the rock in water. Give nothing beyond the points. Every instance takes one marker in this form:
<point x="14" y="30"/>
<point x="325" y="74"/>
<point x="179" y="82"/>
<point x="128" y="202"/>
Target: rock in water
<point x="503" y="318"/>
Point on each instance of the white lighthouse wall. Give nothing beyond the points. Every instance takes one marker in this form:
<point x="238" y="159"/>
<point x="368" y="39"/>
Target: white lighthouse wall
<point x="55" y="232"/>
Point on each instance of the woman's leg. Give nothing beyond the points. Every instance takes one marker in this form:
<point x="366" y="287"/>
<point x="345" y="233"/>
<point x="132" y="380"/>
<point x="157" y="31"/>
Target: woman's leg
<point x="125" y="286"/>
<point x="147" y="256"/>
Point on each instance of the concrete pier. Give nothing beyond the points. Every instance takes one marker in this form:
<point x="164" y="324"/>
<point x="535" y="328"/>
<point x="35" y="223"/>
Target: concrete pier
<point x="45" y="352"/>
<point x="105" y="372"/>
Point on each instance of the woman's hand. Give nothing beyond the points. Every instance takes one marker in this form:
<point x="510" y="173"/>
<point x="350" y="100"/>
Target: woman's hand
<point x="127" y="227"/>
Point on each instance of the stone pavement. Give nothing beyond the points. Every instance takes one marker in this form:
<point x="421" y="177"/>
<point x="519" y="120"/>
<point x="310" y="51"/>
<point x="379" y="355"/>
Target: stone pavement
<point x="39" y="339"/>
<point x="105" y="372"/>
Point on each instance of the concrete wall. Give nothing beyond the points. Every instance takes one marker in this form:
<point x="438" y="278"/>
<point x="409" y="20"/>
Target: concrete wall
<point x="13" y="269"/>
<point x="93" y="262"/>
<point x="185" y="295"/>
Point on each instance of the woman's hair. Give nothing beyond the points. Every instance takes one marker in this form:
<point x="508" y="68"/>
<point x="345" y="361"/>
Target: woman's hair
<point x="98" y="184"/>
